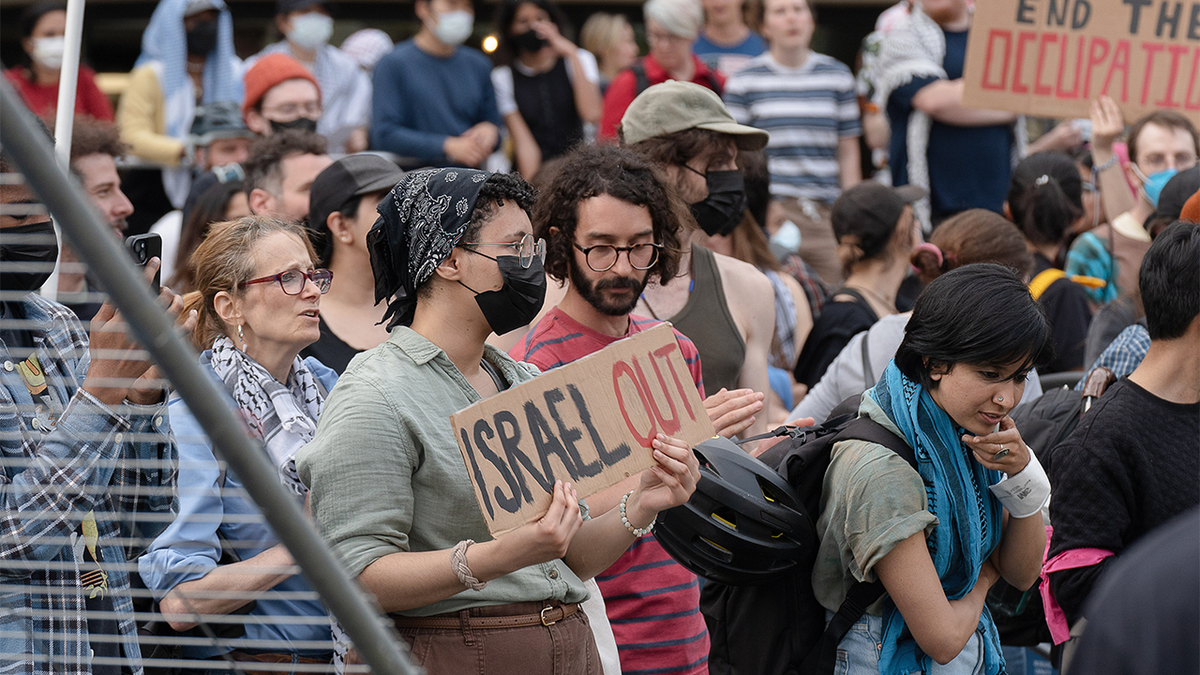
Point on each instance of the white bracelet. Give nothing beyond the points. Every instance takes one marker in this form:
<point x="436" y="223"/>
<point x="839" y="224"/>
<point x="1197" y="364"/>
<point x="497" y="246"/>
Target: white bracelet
<point x="1106" y="166"/>
<point x="635" y="531"/>
<point x="1025" y="493"/>
<point x="458" y="563"/>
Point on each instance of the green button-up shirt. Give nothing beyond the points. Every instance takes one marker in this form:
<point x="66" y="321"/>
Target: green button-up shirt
<point x="387" y="476"/>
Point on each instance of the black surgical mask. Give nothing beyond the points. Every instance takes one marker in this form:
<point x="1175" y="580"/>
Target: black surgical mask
<point x="34" y="250"/>
<point x="722" y="210"/>
<point x="528" y="42"/>
<point x="202" y="38"/>
<point x="301" y="123"/>
<point x="519" y="300"/>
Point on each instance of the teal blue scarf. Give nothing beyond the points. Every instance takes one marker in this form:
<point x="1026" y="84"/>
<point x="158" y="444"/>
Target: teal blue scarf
<point x="969" y="517"/>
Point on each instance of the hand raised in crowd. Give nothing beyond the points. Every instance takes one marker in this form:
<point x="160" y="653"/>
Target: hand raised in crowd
<point x="1064" y="136"/>
<point x="1107" y="123"/>
<point x="1002" y="450"/>
<point x="548" y="31"/>
<point x="732" y="412"/>
<point x="665" y="485"/>
<point x="117" y="371"/>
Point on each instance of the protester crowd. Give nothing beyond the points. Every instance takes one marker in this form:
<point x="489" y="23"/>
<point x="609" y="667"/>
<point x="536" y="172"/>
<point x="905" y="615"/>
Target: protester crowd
<point x="361" y="240"/>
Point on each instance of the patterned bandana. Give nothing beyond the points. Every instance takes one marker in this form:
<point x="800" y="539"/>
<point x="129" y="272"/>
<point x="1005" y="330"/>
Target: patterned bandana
<point x="420" y="222"/>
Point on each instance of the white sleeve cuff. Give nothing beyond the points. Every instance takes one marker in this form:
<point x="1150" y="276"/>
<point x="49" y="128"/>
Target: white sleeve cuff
<point x="1026" y="493"/>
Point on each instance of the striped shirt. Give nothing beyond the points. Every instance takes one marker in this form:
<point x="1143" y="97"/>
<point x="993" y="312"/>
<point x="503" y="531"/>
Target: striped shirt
<point x="653" y="603"/>
<point x="807" y="110"/>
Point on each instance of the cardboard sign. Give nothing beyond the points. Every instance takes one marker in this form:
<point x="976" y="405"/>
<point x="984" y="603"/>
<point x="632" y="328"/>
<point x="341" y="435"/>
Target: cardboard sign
<point x="590" y="422"/>
<point x="1053" y="57"/>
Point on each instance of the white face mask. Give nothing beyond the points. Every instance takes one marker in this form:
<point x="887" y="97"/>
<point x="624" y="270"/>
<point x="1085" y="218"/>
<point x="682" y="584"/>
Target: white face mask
<point x="453" y="28"/>
<point x="48" y="51"/>
<point x="311" y="31"/>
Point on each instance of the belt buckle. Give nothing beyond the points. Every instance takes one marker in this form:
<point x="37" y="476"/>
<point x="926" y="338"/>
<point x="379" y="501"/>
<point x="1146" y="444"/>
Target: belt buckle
<point x="545" y="620"/>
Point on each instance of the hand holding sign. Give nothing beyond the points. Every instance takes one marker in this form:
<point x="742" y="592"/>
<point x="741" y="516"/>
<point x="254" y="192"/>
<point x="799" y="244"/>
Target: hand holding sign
<point x="667" y="484"/>
<point x="548" y="537"/>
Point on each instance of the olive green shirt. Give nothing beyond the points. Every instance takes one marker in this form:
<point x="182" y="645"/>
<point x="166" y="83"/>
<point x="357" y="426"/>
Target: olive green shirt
<point x="871" y="501"/>
<point x="386" y="474"/>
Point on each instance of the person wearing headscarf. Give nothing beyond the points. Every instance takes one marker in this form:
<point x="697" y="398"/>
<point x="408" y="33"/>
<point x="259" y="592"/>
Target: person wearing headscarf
<point x="454" y="256"/>
<point x="187" y="59"/>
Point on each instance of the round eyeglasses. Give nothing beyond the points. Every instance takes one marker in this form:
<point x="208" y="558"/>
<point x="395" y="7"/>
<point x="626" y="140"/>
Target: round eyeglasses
<point x="602" y="257"/>
<point x="525" y="250"/>
<point x="292" y="281"/>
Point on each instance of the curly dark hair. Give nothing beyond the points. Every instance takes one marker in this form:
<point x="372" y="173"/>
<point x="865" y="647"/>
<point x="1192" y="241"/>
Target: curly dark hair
<point x="267" y="153"/>
<point x="592" y="170"/>
<point x="90" y="136"/>
<point x="493" y="192"/>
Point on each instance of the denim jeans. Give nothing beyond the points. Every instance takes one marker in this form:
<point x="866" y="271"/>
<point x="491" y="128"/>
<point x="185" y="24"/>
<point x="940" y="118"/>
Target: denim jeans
<point x="858" y="652"/>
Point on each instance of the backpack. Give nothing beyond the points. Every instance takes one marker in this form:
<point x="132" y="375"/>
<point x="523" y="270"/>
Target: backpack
<point x="779" y="628"/>
<point x="643" y="81"/>
<point x="1046" y="278"/>
<point x="1046" y="421"/>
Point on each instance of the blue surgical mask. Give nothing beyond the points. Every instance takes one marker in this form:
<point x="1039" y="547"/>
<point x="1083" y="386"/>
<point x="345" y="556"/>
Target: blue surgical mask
<point x="1153" y="184"/>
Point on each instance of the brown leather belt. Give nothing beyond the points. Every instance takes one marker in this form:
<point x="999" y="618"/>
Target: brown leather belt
<point x="549" y="614"/>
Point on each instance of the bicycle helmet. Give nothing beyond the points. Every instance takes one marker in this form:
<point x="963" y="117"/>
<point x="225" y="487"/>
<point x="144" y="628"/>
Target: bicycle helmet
<point x="219" y="119"/>
<point x="743" y="525"/>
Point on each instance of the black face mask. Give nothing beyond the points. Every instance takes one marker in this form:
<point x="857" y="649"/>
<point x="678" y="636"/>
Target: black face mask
<point x="202" y="38"/>
<point x="722" y="210"/>
<point x="528" y="42"/>
<point x="519" y="300"/>
<point x="301" y="123"/>
<point x="34" y="248"/>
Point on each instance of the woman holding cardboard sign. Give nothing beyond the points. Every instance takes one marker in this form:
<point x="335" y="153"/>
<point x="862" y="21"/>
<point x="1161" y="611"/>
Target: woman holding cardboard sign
<point x="454" y="255"/>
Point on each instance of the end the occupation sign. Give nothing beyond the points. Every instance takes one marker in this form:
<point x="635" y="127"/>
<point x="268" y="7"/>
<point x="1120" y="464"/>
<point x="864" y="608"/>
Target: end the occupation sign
<point x="1053" y="57"/>
<point x="590" y="423"/>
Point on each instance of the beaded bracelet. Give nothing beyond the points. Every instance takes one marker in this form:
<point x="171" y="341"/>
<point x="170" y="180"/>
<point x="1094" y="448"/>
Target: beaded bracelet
<point x="635" y="531"/>
<point x="458" y="563"/>
<point x="1105" y="166"/>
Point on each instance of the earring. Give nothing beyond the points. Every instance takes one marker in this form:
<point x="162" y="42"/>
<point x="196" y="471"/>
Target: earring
<point x="346" y="239"/>
<point x="241" y="338"/>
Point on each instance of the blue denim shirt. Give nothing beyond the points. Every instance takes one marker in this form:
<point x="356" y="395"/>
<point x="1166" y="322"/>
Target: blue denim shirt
<point x="190" y="548"/>
<point x="71" y="457"/>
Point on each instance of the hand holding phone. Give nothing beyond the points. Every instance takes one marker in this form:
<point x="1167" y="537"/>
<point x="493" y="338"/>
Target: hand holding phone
<point x="143" y="247"/>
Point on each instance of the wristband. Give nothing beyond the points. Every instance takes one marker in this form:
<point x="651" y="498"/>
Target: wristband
<point x="1105" y="166"/>
<point x="635" y="531"/>
<point x="458" y="563"/>
<point x="1027" y="492"/>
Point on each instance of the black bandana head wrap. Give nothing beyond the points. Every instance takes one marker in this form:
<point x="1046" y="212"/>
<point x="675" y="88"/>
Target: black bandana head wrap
<point x="420" y="222"/>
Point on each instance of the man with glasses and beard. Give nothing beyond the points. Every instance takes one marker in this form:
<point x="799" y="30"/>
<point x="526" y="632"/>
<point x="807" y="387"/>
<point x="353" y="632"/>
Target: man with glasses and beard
<point x="611" y="223"/>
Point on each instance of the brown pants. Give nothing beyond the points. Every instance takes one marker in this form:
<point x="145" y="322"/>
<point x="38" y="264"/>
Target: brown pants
<point x="564" y="648"/>
<point x="818" y="246"/>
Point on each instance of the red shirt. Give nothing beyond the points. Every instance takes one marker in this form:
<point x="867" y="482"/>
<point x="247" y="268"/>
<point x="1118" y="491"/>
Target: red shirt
<point x="42" y="99"/>
<point x="653" y="603"/>
<point x="623" y="90"/>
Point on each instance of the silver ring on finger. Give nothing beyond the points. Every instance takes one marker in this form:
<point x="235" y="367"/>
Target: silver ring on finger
<point x="1000" y="455"/>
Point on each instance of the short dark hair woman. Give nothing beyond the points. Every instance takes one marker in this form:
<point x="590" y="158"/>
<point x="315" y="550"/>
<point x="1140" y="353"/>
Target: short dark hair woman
<point x="939" y="535"/>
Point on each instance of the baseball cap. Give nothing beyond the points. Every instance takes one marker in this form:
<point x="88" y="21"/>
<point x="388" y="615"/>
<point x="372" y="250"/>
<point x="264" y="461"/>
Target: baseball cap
<point x="219" y="119"/>
<point x="350" y="176"/>
<point x="870" y="201"/>
<point x="674" y="106"/>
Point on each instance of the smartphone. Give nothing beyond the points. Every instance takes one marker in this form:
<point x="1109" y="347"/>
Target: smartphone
<point x="143" y="247"/>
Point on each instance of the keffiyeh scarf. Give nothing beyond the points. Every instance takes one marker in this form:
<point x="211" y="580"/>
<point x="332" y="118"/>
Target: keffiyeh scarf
<point x="969" y="517"/>
<point x="420" y="222"/>
<point x="283" y="416"/>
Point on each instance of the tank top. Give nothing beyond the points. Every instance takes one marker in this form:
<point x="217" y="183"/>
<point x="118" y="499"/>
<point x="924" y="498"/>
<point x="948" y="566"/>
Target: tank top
<point x="706" y="320"/>
<point x="547" y="103"/>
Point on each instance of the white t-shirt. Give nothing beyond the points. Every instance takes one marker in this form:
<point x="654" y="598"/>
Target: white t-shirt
<point x="502" y="80"/>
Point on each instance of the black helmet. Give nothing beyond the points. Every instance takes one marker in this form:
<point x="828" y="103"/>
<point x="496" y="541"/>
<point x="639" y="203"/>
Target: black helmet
<point x="743" y="525"/>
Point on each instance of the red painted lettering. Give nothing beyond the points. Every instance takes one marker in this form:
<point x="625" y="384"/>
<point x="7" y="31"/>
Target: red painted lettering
<point x="1094" y="59"/>
<point x="1039" y="88"/>
<point x="1193" y="83"/>
<point x="1006" y="37"/>
<point x="621" y="368"/>
<point x="1120" y="63"/>
<point x="1018" y="86"/>
<point x="1059" y="92"/>
<point x="1152" y="49"/>
<point x="668" y="425"/>
<point x="1168" y="99"/>
<point x="664" y="353"/>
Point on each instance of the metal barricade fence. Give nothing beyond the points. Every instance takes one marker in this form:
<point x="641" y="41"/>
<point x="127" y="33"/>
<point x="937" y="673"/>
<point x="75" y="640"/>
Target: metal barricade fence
<point x="87" y="489"/>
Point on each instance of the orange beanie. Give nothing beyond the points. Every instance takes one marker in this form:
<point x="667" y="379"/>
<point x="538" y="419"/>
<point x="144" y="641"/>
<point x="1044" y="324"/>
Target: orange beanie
<point x="1191" y="209"/>
<point x="269" y="71"/>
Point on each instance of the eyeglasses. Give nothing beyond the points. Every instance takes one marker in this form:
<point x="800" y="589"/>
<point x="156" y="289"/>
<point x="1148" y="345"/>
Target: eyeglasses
<point x="657" y="36"/>
<point x="292" y="281"/>
<point x="525" y="249"/>
<point x="602" y="257"/>
<point x="291" y="111"/>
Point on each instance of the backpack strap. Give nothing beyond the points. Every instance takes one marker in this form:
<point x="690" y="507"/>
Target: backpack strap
<point x="639" y="73"/>
<point x="862" y="594"/>
<point x="1040" y="283"/>
<point x="868" y="374"/>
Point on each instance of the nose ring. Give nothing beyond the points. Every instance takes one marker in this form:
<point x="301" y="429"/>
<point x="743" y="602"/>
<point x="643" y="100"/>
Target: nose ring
<point x="1000" y="399"/>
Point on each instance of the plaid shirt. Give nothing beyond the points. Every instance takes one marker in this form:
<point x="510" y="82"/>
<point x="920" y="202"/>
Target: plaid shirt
<point x="114" y="464"/>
